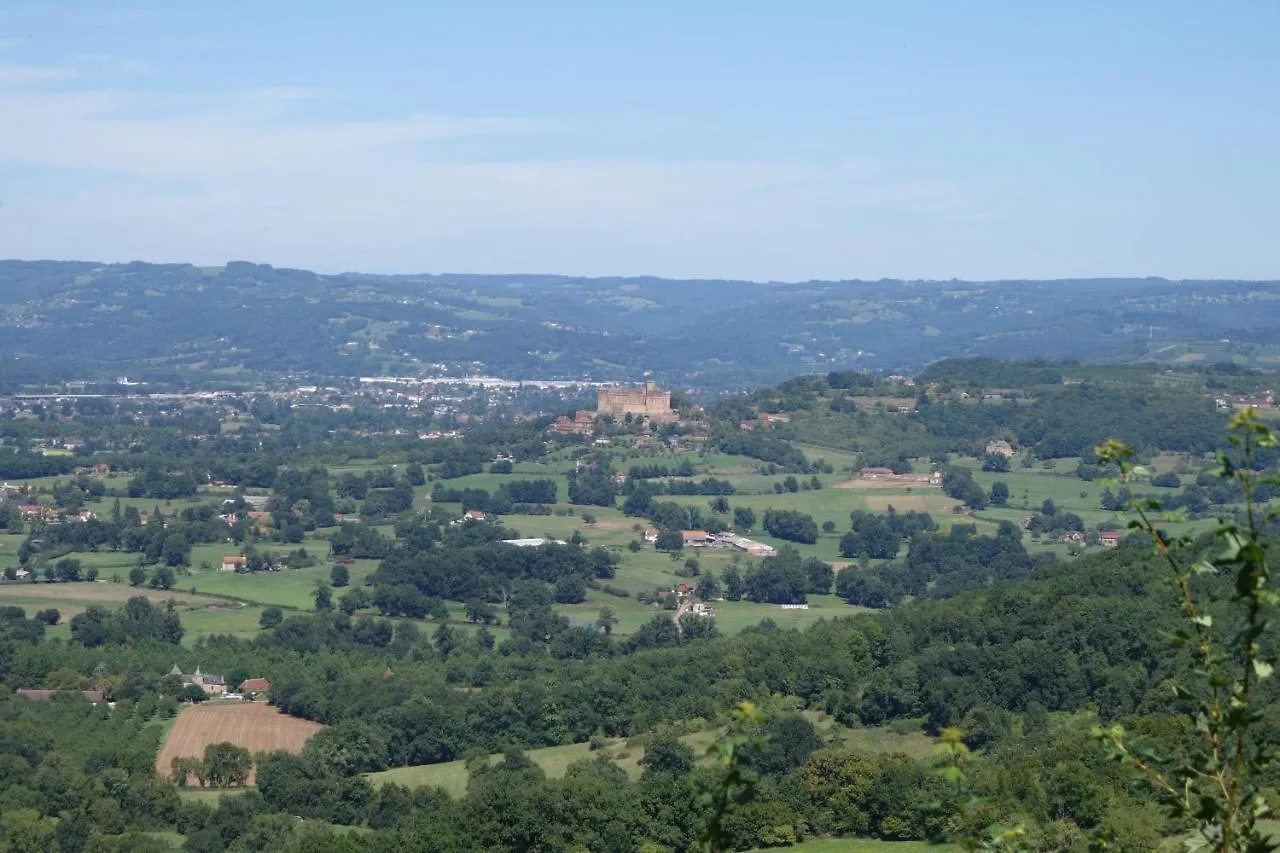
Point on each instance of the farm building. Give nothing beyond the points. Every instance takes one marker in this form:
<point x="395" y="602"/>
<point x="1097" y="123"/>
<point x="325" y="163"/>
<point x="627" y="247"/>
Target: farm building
<point x="234" y="563"/>
<point x="251" y="686"/>
<point x="214" y="685"/>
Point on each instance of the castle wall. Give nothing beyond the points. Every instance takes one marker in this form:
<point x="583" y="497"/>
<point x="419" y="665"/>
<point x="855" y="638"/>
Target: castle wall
<point x="649" y="400"/>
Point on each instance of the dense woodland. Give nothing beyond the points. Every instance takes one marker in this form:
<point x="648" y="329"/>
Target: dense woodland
<point x="1020" y="667"/>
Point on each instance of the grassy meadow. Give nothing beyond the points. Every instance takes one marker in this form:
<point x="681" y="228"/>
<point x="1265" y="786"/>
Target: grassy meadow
<point x="628" y="754"/>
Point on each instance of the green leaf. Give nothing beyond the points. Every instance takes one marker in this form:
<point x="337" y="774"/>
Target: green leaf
<point x="1262" y="669"/>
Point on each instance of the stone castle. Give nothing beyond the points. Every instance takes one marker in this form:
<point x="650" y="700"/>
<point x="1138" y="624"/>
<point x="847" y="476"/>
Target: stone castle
<point x="650" y="401"/>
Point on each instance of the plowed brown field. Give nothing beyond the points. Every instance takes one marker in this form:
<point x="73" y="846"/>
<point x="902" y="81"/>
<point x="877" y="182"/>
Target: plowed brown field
<point x="255" y="726"/>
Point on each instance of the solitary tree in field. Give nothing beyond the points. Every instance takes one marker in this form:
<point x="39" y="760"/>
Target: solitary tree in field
<point x="162" y="578"/>
<point x="339" y="576"/>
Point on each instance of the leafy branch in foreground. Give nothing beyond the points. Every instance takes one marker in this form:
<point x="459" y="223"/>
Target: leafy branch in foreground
<point x="737" y="782"/>
<point x="1216" y="786"/>
<point x="974" y="834"/>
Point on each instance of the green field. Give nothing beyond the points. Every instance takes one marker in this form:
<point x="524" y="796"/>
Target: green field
<point x="555" y="760"/>
<point x="173" y="839"/>
<point x="284" y="588"/>
<point x="201" y="615"/>
<point x="1030" y="487"/>
<point x="834" y="505"/>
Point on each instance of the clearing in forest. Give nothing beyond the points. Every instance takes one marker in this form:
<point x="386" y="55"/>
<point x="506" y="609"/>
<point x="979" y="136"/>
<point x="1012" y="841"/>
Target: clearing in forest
<point x="255" y="726"/>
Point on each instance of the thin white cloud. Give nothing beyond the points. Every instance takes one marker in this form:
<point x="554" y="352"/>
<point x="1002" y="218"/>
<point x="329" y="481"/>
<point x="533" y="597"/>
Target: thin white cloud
<point x="99" y="64"/>
<point x="26" y="75"/>
<point x="9" y="43"/>
<point x="242" y="176"/>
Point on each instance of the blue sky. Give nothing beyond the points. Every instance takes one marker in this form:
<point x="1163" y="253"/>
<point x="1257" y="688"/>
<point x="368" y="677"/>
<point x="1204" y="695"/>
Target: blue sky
<point x="697" y="139"/>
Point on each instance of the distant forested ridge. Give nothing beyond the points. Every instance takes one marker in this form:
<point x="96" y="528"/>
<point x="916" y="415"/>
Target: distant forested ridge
<point x="179" y="323"/>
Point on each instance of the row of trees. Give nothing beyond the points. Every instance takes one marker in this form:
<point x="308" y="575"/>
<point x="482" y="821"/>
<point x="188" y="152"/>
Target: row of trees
<point x="224" y="765"/>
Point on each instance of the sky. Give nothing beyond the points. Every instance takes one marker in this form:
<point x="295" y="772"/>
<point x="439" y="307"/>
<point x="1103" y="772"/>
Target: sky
<point x="752" y="140"/>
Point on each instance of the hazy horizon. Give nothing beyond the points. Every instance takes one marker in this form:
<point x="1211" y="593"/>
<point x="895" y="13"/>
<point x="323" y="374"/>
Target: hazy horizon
<point x="814" y="142"/>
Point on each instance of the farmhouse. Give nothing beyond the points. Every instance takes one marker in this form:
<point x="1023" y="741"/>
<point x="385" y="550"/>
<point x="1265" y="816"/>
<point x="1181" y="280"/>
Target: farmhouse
<point x="214" y="685"/>
<point x="1109" y="538"/>
<point x="532" y="543"/>
<point x="234" y="563"/>
<point x="36" y="512"/>
<point x="581" y="424"/>
<point x="1000" y="448"/>
<point x="251" y="686"/>
<point x="876" y="473"/>
<point x="695" y="538"/>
